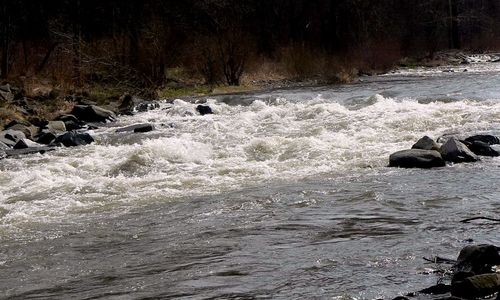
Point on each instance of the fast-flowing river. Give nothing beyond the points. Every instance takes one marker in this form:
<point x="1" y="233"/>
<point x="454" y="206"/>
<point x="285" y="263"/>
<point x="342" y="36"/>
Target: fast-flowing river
<point x="277" y="195"/>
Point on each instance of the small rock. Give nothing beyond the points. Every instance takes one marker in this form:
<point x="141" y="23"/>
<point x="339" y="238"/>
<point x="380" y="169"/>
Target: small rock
<point x="126" y="105"/>
<point x="145" y="106"/>
<point x="455" y="151"/>
<point x="27" y="130"/>
<point x="137" y="128"/>
<point x="426" y="143"/>
<point x="93" y="113"/>
<point x="204" y="110"/>
<point x="485" y="138"/>
<point x="56" y="127"/>
<point x="71" y="122"/>
<point x="25" y="143"/>
<point x="73" y="139"/>
<point x="45" y="137"/>
<point x="416" y="158"/>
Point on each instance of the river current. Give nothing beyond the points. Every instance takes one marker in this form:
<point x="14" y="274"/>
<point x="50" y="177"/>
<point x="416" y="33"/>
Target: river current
<point x="284" y="194"/>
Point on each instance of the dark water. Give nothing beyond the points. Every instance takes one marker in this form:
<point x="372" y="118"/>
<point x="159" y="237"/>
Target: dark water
<point x="265" y="227"/>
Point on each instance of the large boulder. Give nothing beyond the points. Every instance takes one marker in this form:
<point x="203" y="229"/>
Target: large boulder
<point x="485" y="138"/>
<point x="457" y="152"/>
<point x="416" y="158"/>
<point x="481" y="148"/>
<point x="137" y="128"/>
<point x="426" y="143"/>
<point x="24" y="127"/>
<point x="93" y="113"/>
<point x="73" y="139"/>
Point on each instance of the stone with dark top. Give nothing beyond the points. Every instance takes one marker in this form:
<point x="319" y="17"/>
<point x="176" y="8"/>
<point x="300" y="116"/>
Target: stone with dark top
<point x="485" y="138"/>
<point x="93" y="113"/>
<point x="477" y="259"/>
<point x="137" y="128"/>
<point x="204" y="110"/>
<point x="126" y="105"/>
<point x="416" y="158"/>
<point x="73" y="139"/>
<point x="10" y="137"/>
<point x="457" y="152"/>
<point x="145" y="106"/>
<point x="26" y="143"/>
<point x="481" y="148"/>
<point x="426" y="143"/>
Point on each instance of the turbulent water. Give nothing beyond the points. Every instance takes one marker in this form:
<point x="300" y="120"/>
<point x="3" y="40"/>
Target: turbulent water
<point x="282" y="195"/>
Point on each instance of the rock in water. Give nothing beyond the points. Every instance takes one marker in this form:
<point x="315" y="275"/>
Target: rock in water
<point x="17" y="152"/>
<point x="488" y="139"/>
<point x="45" y="137"/>
<point x="455" y="151"/>
<point x="476" y="286"/>
<point x="93" y="113"/>
<point x="25" y="143"/>
<point x="416" y="158"/>
<point x="204" y="110"/>
<point x="73" y="139"/>
<point x="71" y="122"/>
<point x="126" y="105"/>
<point x="481" y="148"/>
<point x="137" y="128"/>
<point x="426" y="143"/>
<point x="145" y="106"/>
<point x="477" y="259"/>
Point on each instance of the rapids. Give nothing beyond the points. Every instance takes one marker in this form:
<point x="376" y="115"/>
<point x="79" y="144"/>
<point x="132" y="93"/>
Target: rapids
<point x="278" y="194"/>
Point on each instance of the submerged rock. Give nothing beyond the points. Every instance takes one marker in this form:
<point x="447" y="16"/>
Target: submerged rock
<point x="476" y="286"/>
<point x="145" y="106"/>
<point x="457" y="152"/>
<point x="416" y="158"/>
<point x="137" y="128"/>
<point x="426" y="143"/>
<point x="73" y="139"/>
<point x="126" y="105"/>
<point x="33" y="150"/>
<point x="93" y="113"/>
<point x="204" y="110"/>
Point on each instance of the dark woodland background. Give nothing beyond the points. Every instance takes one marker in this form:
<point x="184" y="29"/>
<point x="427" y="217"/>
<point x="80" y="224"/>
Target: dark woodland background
<point x="148" y="43"/>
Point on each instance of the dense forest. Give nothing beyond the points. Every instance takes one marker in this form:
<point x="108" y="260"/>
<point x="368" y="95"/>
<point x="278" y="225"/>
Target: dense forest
<point x="140" y="42"/>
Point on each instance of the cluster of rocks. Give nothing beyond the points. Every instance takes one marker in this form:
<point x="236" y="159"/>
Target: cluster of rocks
<point x="473" y="275"/>
<point x="21" y="137"/>
<point x="427" y="153"/>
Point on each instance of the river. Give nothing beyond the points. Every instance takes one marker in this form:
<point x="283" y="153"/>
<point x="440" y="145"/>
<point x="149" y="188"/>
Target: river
<point x="282" y="194"/>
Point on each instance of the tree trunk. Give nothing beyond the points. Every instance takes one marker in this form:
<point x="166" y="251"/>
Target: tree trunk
<point x="5" y="40"/>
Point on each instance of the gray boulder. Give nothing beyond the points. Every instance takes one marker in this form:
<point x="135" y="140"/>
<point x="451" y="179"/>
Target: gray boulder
<point x="457" y="152"/>
<point x="416" y="158"/>
<point x="137" y="128"/>
<point x="56" y="127"/>
<point x="93" y="113"/>
<point x="10" y="137"/>
<point x="426" y="143"/>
